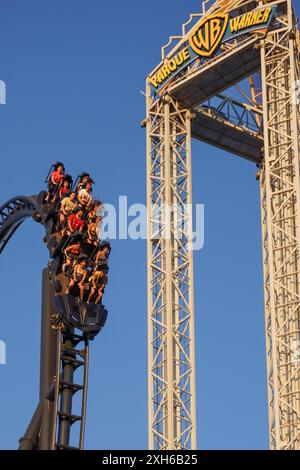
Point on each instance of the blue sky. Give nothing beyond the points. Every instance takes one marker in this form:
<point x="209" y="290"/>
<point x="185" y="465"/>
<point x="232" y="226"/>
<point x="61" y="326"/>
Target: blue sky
<point x="74" y="71"/>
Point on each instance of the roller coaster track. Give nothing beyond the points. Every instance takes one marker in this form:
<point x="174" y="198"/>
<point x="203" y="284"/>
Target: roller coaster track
<point x="64" y="363"/>
<point x="13" y="214"/>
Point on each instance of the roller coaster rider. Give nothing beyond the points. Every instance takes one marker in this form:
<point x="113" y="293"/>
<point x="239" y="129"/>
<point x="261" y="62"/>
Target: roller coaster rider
<point x="72" y="252"/>
<point x="85" y="197"/>
<point x="84" y="178"/>
<point x="103" y="254"/>
<point x="94" y="211"/>
<point x="78" y="277"/>
<point x="55" y="181"/>
<point x="67" y="206"/>
<point x="98" y="282"/>
<point x="92" y="231"/>
<point x="65" y="187"/>
<point x="75" y="222"/>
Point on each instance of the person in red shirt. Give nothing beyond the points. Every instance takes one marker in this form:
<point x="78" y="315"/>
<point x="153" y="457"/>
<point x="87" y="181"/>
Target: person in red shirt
<point x="64" y="189"/>
<point x="55" y="182"/>
<point x="75" y="222"/>
<point x="57" y="175"/>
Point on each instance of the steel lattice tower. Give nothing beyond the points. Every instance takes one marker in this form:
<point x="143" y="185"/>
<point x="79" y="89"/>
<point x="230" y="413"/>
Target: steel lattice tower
<point x="280" y="189"/>
<point x="264" y="128"/>
<point x="170" y="299"/>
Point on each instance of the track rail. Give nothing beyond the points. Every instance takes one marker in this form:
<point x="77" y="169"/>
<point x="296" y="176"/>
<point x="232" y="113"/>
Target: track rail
<point x="14" y="212"/>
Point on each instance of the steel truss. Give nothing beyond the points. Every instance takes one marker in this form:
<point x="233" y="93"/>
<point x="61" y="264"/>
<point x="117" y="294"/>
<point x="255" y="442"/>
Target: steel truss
<point x="280" y="198"/>
<point x="172" y="412"/>
<point x="266" y="132"/>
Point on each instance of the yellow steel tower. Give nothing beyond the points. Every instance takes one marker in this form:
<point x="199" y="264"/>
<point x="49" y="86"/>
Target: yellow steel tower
<point x="231" y="78"/>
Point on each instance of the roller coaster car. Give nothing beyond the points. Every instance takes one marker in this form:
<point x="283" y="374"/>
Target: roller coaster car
<point x="73" y="311"/>
<point x="89" y="318"/>
<point x="87" y="248"/>
<point x="70" y="309"/>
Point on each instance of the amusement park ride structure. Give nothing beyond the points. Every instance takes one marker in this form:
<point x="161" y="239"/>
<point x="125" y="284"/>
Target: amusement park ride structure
<point x="68" y="325"/>
<point x="229" y="79"/>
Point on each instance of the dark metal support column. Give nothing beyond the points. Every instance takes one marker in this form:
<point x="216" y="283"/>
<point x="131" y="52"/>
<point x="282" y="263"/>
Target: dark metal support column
<point x="66" y="400"/>
<point x="29" y="440"/>
<point x="48" y="361"/>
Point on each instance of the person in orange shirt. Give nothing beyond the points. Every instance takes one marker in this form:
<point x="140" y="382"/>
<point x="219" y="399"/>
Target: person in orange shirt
<point x="55" y="181"/>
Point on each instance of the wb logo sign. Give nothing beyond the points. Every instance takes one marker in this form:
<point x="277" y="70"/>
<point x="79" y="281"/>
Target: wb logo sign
<point x="205" y="40"/>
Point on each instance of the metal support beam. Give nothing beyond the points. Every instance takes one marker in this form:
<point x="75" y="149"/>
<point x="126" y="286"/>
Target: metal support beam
<point x="280" y="199"/>
<point x="30" y="438"/>
<point x="172" y="413"/>
<point x="66" y="401"/>
<point x="48" y="361"/>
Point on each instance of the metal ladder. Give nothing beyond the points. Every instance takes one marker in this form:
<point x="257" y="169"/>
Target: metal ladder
<point x="70" y="360"/>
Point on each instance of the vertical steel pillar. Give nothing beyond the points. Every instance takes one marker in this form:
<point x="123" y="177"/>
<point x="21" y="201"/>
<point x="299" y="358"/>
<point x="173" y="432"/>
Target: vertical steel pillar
<point x="280" y="200"/>
<point x="48" y="362"/>
<point x="171" y="360"/>
<point x="66" y="400"/>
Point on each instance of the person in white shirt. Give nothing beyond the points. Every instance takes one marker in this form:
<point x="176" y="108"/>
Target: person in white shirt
<point x="67" y="206"/>
<point x="85" y="196"/>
